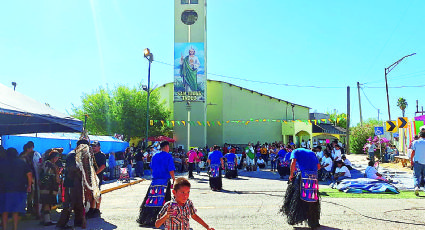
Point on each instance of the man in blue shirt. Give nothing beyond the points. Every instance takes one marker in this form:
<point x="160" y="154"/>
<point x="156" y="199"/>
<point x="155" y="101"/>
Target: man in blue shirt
<point x="418" y="161"/>
<point x="214" y="160"/>
<point x="159" y="192"/>
<point x="302" y="195"/>
<point x="231" y="171"/>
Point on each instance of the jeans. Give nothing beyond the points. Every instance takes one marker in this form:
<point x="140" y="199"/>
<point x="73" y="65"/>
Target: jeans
<point x="179" y="167"/>
<point x="198" y="170"/>
<point x="273" y="163"/>
<point x="372" y="156"/>
<point x="418" y="173"/>
<point x="129" y="168"/>
<point x="392" y="156"/>
<point x="139" y="169"/>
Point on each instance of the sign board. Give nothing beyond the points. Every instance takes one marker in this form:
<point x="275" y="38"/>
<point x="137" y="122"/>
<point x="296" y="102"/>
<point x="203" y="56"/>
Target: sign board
<point x="402" y="122"/>
<point x="391" y="126"/>
<point x="379" y="131"/>
<point x="189" y="72"/>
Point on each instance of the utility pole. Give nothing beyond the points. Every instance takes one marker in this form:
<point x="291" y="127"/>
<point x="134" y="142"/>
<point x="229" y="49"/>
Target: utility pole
<point x="347" y="145"/>
<point x="360" y="104"/>
<point x="378" y="114"/>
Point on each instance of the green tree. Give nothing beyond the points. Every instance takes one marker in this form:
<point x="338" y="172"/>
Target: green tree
<point x="402" y="104"/>
<point x="360" y="133"/>
<point x="338" y="119"/>
<point x="122" y="110"/>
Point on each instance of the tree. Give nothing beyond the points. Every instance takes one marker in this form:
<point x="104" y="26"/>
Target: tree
<point x="360" y="134"/>
<point x="402" y="104"/>
<point x="338" y="119"/>
<point x="122" y="110"/>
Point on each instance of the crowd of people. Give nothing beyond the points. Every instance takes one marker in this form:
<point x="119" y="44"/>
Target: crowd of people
<point x="35" y="182"/>
<point x="32" y="183"/>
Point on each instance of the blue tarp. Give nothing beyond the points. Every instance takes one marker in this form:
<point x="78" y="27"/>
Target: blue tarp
<point x="366" y="185"/>
<point x="67" y="141"/>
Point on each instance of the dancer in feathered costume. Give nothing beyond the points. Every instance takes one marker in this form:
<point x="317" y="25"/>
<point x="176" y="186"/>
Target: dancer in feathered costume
<point x="81" y="183"/>
<point x="302" y="201"/>
<point x="159" y="192"/>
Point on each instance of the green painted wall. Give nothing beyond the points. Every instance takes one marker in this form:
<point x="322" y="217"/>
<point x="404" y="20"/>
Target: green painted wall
<point x="229" y="102"/>
<point x="215" y="112"/>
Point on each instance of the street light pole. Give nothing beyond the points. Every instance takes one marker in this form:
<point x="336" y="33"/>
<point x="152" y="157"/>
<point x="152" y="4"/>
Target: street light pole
<point x="148" y="55"/>
<point x="387" y="71"/>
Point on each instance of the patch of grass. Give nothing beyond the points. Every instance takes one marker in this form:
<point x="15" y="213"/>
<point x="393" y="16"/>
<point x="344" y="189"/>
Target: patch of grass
<point x="334" y="193"/>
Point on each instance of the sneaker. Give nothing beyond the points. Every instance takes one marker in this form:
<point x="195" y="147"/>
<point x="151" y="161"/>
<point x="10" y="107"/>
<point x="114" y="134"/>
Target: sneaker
<point x="417" y="191"/>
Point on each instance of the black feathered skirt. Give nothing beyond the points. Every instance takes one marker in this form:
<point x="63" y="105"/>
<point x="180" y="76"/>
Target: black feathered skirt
<point x="231" y="171"/>
<point x="302" y="201"/>
<point x="215" y="177"/>
<point x="158" y="194"/>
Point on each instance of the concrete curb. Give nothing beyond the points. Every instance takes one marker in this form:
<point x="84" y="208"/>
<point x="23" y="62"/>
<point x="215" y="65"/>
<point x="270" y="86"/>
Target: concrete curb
<point x="121" y="186"/>
<point x="113" y="189"/>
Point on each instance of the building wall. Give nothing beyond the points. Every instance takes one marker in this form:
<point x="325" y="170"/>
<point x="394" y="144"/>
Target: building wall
<point x="214" y="112"/>
<point x="227" y="102"/>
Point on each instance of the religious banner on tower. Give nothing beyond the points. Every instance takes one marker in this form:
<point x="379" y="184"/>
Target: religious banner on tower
<point x="189" y="72"/>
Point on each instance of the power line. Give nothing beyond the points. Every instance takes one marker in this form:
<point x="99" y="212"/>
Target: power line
<point x="368" y="99"/>
<point x="294" y="85"/>
<point x="270" y="83"/>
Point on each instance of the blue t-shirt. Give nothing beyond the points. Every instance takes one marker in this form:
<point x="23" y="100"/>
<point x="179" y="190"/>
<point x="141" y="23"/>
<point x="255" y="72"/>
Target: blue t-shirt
<point x="288" y="156"/>
<point x="306" y="159"/>
<point x="281" y="153"/>
<point x="215" y="157"/>
<point x="230" y="157"/>
<point x="419" y="147"/>
<point x="13" y="175"/>
<point x="161" y="164"/>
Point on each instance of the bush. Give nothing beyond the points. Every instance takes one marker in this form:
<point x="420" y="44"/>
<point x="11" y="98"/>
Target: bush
<point x="359" y="136"/>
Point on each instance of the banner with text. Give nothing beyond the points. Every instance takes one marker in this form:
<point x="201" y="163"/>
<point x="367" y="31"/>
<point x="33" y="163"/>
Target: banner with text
<point x="189" y="72"/>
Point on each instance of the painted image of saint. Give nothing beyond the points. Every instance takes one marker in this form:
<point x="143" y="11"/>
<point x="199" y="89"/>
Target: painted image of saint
<point x="189" y="70"/>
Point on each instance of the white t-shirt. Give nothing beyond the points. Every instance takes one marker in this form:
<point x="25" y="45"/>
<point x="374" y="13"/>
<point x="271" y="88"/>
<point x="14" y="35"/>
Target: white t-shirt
<point x="303" y="144"/>
<point x="343" y="169"/>
<point x="371" y="172"/>
<point x="260" y="161"/>
<point x="327" y="160"/>
<point x="336" y="154"/>
<point x="319" y="154"/>
<point x="371" y="148"/>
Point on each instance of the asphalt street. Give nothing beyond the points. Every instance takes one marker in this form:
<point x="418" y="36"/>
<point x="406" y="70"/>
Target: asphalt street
<point x="252" y="202"/>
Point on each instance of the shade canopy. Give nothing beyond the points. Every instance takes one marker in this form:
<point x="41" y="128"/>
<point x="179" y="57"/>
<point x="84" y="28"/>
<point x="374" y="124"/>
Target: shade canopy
<point x="21" y="114"/>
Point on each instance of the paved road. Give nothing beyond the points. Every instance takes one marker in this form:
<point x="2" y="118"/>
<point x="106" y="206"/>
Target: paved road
<point x="252" y="202"/>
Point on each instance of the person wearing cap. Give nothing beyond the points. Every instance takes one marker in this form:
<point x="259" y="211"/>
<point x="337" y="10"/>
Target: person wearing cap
<point x="49" y="185"/>
<point x="100" y="159"/>
<point x="341" y="172"/>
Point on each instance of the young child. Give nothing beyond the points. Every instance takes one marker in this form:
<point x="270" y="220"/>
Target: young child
<point x="175" y="213"/>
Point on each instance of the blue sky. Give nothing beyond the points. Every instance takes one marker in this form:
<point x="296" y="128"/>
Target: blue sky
<point x="58" y="50"/>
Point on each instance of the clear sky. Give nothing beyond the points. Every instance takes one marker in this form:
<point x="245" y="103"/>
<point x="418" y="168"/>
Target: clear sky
<point x="58" y="50"/>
